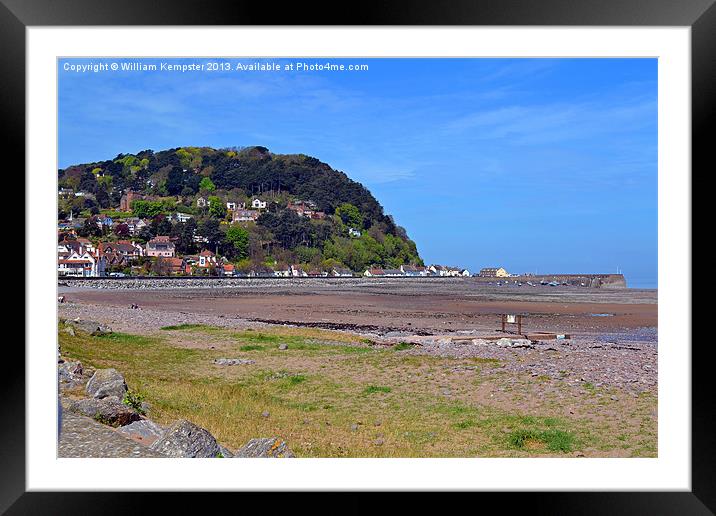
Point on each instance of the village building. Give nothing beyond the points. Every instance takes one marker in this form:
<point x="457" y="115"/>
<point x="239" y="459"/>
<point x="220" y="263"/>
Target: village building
<point x="258" y="204"/>
<point x="207" y="259"/>
<point x="201" y="202"/>
<point x="353" y="232"/>
<point x="125" y="203"/>
<point x="339" y="272"/>
<point x="414" y="271"/>
<point x="374" y="272"/>
<point x="181" y="217"/>
<point x="82" y="265"/>
<point x="245" y="216"/>
<point x="493" y="272"/>
<point x="160" y="246"/>
<point x="123" y="247"/>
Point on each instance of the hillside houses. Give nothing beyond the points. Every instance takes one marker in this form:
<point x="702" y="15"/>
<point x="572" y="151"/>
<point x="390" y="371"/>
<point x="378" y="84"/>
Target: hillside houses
<point x="242" y="215"/>
<point x="160" y="246"/>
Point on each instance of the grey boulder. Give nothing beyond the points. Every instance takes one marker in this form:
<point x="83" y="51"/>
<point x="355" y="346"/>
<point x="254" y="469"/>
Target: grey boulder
<point x="143" y="431"/>
<point x="265" y="447"/>
<point x="185" y="439"/>
<point x="106" y="382"/>
<point x="109" y="411"/>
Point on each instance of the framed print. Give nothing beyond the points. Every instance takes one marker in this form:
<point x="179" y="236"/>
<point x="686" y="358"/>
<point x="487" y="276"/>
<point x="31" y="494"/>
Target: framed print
<point x="423" y="248"/>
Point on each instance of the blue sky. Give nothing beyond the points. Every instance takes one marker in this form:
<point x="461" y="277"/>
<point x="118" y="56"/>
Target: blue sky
<point x="536" y="165"/>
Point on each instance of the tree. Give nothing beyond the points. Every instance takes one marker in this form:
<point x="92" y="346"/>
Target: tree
<point x="207" y="184"/>
<point x="216" y="207"/>
<point x="121" y="230"/>
<point x="209" y="229"/>
<point x="350" y="215"/>
<point x="238" y="240"/>
<point x="90" y="228"/>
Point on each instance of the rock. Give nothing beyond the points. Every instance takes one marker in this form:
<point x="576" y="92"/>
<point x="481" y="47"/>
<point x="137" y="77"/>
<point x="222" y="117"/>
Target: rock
<point x="106" y="382"/>
<point x="265" y="413"/>
<point x="578" y="454"/>
<point x="70" y="373"/>
<point x="69" y="330"/>
<point x="265" y="447"/>
<point x="354" y="427"/>
<point x="109" y="411"/>
<point x="185" y="439"/>
<point x="233" y="361"/>
<point x="225" y="453"/>
<point x="378" y="442"/>
<point x="144" y="431"/>
<point x="378" y="422"/>
<point x="283" y="346"/>
<point x="146" y="407"/>
<point x="92" y="327"/>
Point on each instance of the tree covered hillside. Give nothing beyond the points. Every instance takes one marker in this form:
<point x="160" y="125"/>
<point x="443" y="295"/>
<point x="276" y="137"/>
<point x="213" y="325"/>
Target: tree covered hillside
<point x="313" y="215"/>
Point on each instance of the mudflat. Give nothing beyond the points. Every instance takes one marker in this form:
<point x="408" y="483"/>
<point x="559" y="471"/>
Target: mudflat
<point x="400" y="304"/>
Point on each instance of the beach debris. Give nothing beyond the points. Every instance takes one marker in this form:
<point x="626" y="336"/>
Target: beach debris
<point x="233" y="361"/>
<point x="187" y="440"/>
<point x="108" y="410"/>
<point x="106" y="382"/>
<point x="265" y="447"/>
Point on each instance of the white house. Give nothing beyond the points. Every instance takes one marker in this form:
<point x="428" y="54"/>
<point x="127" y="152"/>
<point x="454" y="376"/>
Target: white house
<point x="353" y="232"/>
<point x="258" y="204"/>
<point x="81" y="265"/>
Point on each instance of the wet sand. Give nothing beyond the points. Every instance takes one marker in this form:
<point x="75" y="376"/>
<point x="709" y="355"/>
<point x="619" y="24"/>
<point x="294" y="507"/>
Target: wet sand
<point x="398" y="305"/>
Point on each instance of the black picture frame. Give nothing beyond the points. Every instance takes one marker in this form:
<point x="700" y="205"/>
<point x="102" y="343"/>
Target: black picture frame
<point x="699" y="15"/>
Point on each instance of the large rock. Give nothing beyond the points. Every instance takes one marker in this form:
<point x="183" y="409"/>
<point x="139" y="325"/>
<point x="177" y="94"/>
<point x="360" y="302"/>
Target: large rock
<point x="106" y="382"/>
<point x="91" y="327"/>
<point x="185" y="439"/>
<point x="265" y="447"/>
<point x="109" y="411"/>
<point x="70" y="371"/>
<point x="143" y="431"/>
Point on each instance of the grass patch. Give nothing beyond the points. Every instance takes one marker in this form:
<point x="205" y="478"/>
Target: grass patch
<point x="252" y="347"/>
<point x="465" y="423"/>
<point x="183" y="327"/>
<point x="554" y="440"/>
<point x="372" y="389"/>
<point x="402" y="346"/>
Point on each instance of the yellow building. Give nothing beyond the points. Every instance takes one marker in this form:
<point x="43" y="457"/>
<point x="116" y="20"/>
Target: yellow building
<point x="494" y="272"/>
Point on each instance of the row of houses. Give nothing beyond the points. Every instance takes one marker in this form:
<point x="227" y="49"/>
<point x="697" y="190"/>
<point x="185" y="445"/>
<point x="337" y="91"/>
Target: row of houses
<point x="416" y="271"/>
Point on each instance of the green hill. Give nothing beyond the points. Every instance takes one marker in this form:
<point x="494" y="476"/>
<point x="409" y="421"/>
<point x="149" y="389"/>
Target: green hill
<point x="349" y="227"/>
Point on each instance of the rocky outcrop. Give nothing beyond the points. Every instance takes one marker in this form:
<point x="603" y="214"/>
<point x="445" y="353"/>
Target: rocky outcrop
<point x="185" y="439"/>
<point x="266" y="447"/>
<point x="106" y="382"/>
<point x="109" y="411"/>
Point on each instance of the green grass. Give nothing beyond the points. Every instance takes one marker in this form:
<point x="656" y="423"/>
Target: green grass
<point x="554" y="440"/>
<point x="402" y="346"/>
<point x="324" y="383"/>
<point x="372" y="389"/>
<point x="184" y="327"/>
<point x="252" y="347"/>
